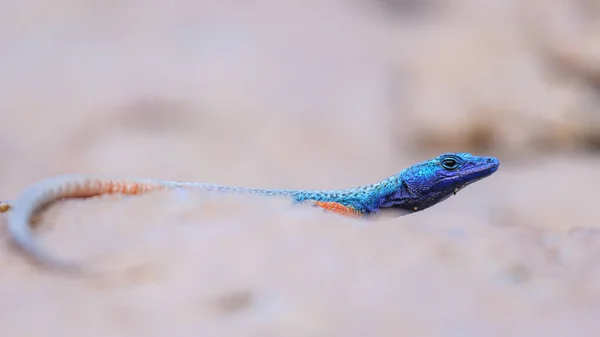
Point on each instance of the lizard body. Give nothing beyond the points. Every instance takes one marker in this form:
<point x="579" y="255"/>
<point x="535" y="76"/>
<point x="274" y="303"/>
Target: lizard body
<point x="414" y="189"/>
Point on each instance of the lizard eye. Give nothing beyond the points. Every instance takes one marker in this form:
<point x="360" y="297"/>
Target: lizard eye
<point x="449" y="163"/>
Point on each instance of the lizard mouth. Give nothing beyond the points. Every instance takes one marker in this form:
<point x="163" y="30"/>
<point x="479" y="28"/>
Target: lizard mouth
<point x="477" y="173"/>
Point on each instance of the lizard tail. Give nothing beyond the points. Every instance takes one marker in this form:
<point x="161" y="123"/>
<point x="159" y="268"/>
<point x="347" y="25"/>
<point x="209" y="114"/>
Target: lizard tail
<point x="52" y="189"/>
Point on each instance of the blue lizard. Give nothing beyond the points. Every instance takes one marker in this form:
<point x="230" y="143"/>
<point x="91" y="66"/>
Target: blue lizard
<point x="414" y="189"/>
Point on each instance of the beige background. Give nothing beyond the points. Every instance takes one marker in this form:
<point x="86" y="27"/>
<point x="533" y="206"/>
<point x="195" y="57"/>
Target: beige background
<point x="307" y="94"/>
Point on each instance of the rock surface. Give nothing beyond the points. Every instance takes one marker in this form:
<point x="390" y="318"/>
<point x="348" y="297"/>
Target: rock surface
<point x="300" y="95"/>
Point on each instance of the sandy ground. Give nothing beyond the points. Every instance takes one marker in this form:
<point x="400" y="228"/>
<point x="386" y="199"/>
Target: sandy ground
<point x="321" y="95"/>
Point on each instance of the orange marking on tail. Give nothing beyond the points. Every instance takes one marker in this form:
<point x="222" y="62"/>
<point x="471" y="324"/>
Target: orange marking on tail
<point x="90" y="188"/>
<point x="338" y="208"/>
<point x="4" y="207"/>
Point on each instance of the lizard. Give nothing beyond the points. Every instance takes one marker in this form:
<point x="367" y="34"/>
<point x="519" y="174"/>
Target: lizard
<point x="413" y="189"/>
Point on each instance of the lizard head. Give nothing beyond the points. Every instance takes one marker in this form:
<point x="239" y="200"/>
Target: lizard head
<point x="425" y="184"/>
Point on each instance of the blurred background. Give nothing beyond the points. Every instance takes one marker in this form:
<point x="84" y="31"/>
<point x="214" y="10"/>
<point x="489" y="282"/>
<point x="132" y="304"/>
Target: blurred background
<point x="316" y="95"/>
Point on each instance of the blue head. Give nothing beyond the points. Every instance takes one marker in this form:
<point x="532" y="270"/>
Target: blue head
<point x="425" y="184"/>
